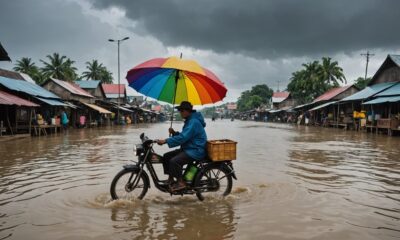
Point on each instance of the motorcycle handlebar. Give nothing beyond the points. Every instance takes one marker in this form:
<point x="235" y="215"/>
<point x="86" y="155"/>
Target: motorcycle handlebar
<point x="145" y="139"/>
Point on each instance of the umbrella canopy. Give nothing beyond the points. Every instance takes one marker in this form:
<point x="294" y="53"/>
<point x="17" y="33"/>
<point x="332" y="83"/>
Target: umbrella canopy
<point x="174" y="80"/>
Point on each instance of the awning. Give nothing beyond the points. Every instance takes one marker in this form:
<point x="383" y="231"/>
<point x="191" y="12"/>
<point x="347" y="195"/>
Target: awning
<point x="52" y="102"/>
<point x="97" y="108"/>
<point x="383" y="100"/>
<point x="124" y="109"/>
<point x="10" y="99"/>
<point x="71" y="105"/>
<point x="368" y="92"/>
<point x="301" y="106"/>
<point x="323" y="105"/>
<point x="275" y="111"/>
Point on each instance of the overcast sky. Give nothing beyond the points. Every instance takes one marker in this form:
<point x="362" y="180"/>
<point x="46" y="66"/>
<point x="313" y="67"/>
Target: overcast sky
<point x="243" y="42"/>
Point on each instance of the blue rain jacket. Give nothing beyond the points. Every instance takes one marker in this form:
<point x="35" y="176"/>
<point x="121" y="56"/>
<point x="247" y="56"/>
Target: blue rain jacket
<point x="193" y="138"/>
<point x="64" y="118"/>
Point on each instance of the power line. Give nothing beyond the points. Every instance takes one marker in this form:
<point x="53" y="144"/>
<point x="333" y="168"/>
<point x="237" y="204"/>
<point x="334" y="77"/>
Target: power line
<point x="367" y="55"/>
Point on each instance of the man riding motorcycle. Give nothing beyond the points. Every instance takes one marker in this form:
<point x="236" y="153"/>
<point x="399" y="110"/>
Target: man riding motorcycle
<point x="192" y="139"/>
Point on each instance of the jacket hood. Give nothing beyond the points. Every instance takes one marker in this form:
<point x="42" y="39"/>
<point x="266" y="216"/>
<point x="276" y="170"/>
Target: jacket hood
<point x="198" y="116"/>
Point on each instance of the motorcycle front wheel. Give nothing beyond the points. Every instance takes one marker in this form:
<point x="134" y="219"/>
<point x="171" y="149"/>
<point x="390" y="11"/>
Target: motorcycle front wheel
<point x="127" y="185"/>
<point x="213" y="182"/>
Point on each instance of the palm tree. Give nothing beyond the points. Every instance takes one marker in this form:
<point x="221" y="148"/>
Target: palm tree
<point x="70" y="71"/>
<point x="94" y="70"/>
<point x="25" y="65"/>
<point x="106" y="76"/>
<point x="331" y="72"/>
<point x="59" y="67"/>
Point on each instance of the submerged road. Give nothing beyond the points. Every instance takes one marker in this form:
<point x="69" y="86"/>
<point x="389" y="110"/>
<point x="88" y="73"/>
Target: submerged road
<point x="294" y="183"/>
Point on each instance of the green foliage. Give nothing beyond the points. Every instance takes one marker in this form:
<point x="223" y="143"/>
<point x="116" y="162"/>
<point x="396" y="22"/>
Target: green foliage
<point x="25" y="65"/>
<point x="96" y="71"/>
<point x="361" y="82"/>
<point x="257" y="96"/>
<point x="315" y="79"/>
<point x="59" y="67"/>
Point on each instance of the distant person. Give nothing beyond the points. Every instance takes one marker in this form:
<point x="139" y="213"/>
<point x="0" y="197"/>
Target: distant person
<point x="307" y="118"/>
<point x="82" y="121"/>
<point x="64" y="120"/>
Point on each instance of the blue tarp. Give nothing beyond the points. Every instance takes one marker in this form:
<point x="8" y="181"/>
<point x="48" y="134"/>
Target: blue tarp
<point x="52" y="102"/>
<point x="26" y="87"/>
<point x="383" y="100"/>
<point x="368" y="92"/>
<point x="89" y="84"/>
<point x="392" y="91"/>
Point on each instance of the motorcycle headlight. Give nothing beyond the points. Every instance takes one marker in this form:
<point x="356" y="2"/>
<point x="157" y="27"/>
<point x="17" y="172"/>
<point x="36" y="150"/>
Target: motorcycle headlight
<point x="135" y="150"/>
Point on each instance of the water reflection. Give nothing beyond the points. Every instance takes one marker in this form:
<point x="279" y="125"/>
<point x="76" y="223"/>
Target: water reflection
<point x="178" y="219"/>
<point x="294" y="183"/>
<point x="365" y="173"/>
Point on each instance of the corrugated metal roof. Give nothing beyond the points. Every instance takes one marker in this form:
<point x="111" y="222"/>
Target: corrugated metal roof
<point x="113" y="88"/>
<point x="97" y="108"/>
<point x="278" y="97"/>
<point x="280" y="94"/>
<point x="71" y="105"/>
<point x="275" y="111"/>
<point x="392" y="91"/>
<point x="10" y="99"/>
<point x="322" y="105"/>
<point x="383" y="100"/>
<point x="11" y="74"/>
<point x="73" y="88"/>
<point x="112" y="95"/>
<point x="27" y="77"/>
<point x="303" y="105"/>
<point x="26" y="87"/>
<point x="368" y="92"/>
<point x="332" y="93"/>
<point x="51" y="102"/>
<point x="89" y="84"/>
<point x="395" y="58"/>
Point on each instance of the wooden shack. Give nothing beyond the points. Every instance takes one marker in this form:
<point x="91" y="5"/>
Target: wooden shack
<point x="112" y="91"/>
<point x="328" y="111"/>
<point x="93" y="87"/>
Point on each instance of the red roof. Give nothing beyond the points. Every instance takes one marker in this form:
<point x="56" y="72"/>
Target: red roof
<point x="72" y="87"/>
<point x="231" y="106"/>
<point x="9" y="99"/>
<point x="281" y="94"/>
<point x="332" y="93"/>
<point x="113" y="88"/>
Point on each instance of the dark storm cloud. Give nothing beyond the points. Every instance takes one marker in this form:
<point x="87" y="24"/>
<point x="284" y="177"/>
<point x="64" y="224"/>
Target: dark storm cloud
<point x="268" y="29"/>
<point x="38" y="28"/>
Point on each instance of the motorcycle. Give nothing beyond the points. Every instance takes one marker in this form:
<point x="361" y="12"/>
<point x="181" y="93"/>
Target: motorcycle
<point x="203" y="178"/>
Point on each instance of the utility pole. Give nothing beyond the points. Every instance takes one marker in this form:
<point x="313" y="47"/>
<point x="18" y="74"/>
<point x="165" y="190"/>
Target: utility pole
<point x="367" y="55"/>
<point x="119" y="88"/>
<point x="278" y="84"/>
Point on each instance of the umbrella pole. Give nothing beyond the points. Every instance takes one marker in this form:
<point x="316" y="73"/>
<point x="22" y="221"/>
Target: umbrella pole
<point x="173" y="103"/>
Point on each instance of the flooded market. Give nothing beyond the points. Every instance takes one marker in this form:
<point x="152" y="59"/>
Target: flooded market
<point x="293" y="183"/>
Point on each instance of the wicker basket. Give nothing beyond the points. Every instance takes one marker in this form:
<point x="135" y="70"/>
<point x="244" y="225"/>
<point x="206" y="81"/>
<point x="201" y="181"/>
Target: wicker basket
<point x="221" y="150"/>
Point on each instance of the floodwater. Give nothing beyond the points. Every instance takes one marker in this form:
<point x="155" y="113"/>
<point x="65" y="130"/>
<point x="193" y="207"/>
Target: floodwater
<point x="294" y="183"/>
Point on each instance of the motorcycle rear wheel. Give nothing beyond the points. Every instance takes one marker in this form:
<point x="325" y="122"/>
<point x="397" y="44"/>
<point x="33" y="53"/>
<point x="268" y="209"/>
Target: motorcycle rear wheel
<point x="213" y="182"/>
<point x="122" y="186"/>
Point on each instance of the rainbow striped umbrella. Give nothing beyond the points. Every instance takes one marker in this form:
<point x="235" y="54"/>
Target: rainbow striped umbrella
<point x="174" y="80"/>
